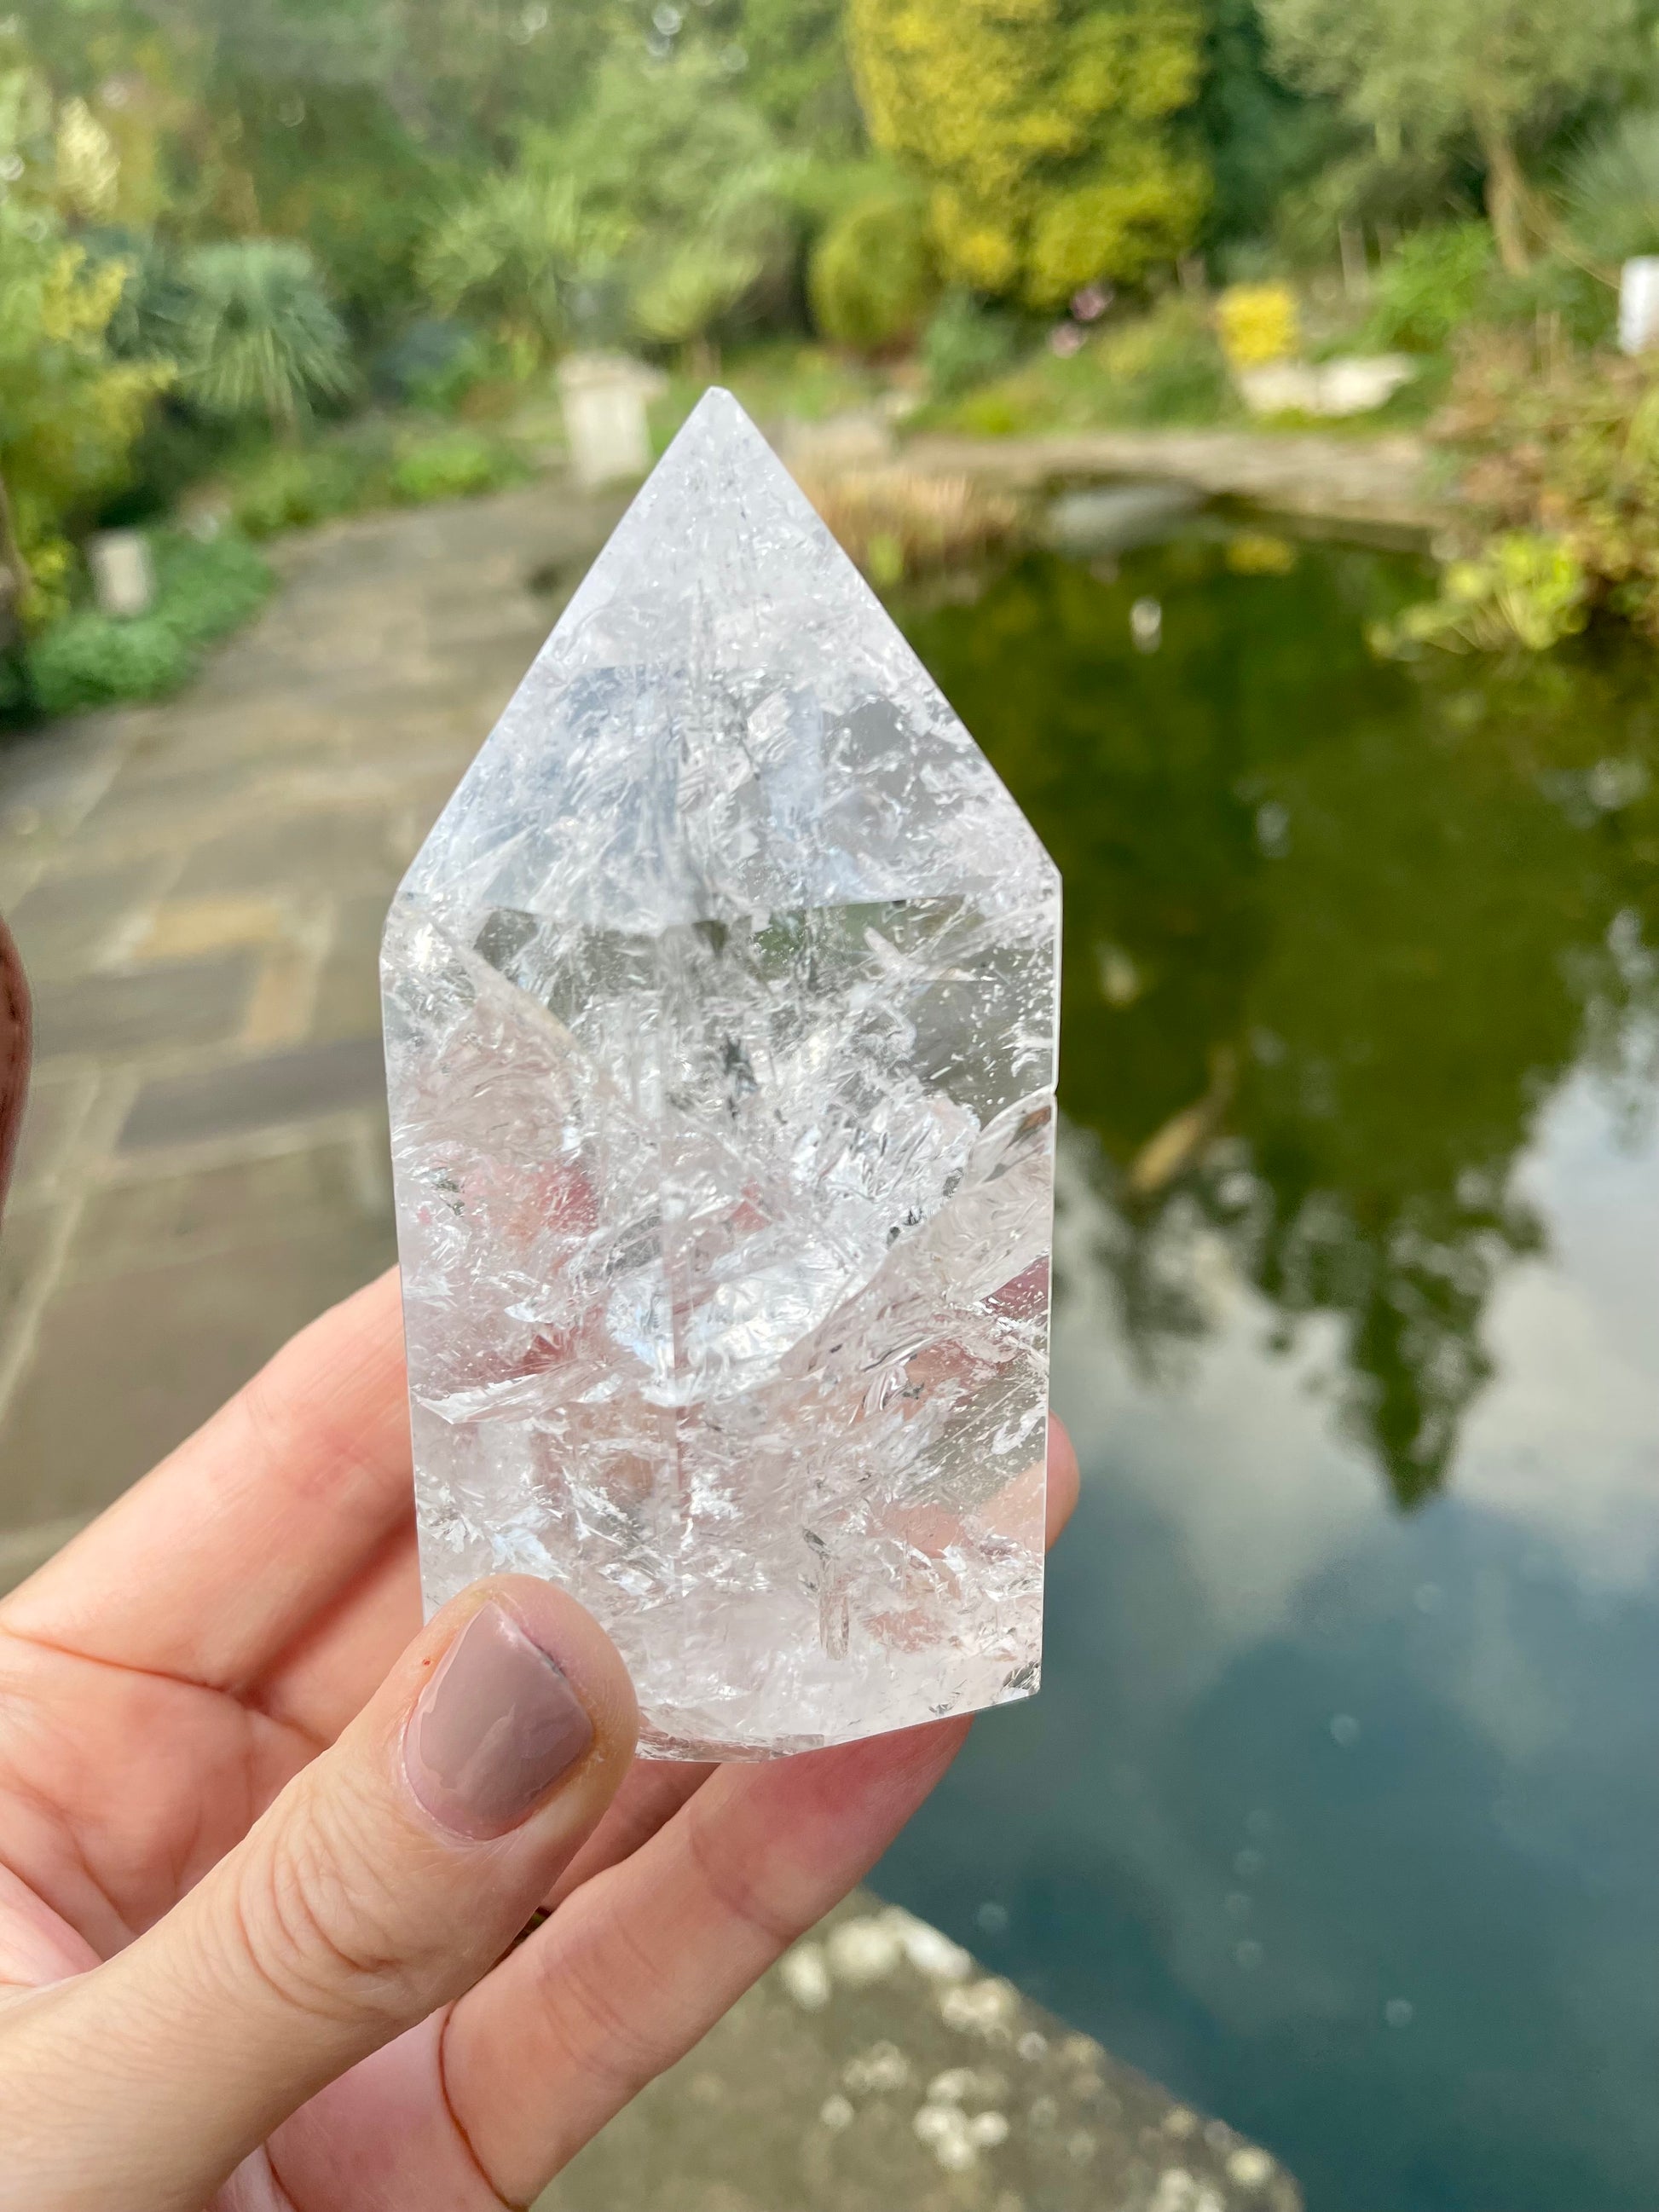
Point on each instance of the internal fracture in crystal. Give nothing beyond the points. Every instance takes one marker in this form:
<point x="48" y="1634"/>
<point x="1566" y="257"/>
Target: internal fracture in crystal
<point x="720" y="1032"/>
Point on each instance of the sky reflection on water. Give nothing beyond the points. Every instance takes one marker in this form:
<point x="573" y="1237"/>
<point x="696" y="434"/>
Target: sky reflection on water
<point x="1340" y="1811"/>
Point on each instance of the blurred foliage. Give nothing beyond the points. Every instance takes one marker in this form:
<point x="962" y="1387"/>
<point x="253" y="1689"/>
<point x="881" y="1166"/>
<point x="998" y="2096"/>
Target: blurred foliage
<point x="697" y="173"/>
<point x="70" y="413"/>
<point x="203" y="590"/>
<point x="1264" y="142"/>
<point x="288" y="488"/>
<point x="435" y="363"/>
<point x="417" y="205"/>
<point x="681" y="184"/>
<point x="1554" y="293"/>
<point x="791" y="59"/>
<point x="1611" y="190"/>
<point x="517" y="254"/>
<point x="1523" y="588"/>
<point x="453" y="463"/>
<point x="775" y="379"/>
<point x="1164" y="367"/>
<point x="256" y="335"/>
<point x="1558" y="449"/>
<point x="966" y="342"/>
<point x="1257" y="324"/>
<point x="341" y="124"/>
<point x="1397" y="901"/>
<point x="897" y="523"/>
<point x="364" y="465"/>
<point x="1044" y="131"/>
<point x="874" y="274"/>
<point x="1429" y="286"/>
<point x="1423" y="77"/>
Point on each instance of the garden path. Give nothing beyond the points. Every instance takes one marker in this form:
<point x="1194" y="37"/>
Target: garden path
<point x="198" y="888"/>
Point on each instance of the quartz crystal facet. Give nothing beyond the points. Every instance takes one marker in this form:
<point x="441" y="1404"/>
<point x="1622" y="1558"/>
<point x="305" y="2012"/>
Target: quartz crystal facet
<point x="721" y="1031"/>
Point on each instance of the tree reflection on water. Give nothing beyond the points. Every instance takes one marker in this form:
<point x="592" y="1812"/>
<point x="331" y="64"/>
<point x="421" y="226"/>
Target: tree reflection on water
<point x="1335" y="929"/>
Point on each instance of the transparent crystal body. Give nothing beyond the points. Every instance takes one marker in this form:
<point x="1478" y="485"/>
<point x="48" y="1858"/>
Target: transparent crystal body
<point x="720" y="1012"/>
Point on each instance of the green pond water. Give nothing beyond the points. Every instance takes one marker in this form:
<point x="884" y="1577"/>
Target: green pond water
<point x="1339" y="1811"/>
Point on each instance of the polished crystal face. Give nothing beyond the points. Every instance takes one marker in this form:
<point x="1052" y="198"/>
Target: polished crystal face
<point x="720" y="1026"/>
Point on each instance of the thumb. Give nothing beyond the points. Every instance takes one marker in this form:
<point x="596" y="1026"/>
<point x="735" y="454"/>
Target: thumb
<point x="387" y="1878"/>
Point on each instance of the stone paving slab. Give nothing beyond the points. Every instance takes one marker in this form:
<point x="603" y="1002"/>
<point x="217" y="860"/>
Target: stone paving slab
<point x="273" y="1090"/>
<point x="142" y="1009"/>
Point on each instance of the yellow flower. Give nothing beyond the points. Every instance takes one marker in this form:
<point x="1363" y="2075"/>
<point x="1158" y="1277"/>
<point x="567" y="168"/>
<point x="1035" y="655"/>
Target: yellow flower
<point x="1258" y="324"/>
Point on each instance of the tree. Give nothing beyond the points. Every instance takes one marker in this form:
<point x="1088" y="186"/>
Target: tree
<point x="516" y="252"/>
<point x="1043" y="129"/>
<point x="670" y="155"/>
<point x="795" y="67"/>
<point x="1262" y="139"/>
<point x="1423" y="75"/>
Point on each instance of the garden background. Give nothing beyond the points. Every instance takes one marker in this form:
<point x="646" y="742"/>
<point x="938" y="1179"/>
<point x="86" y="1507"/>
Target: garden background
<point x="263" y="262"/>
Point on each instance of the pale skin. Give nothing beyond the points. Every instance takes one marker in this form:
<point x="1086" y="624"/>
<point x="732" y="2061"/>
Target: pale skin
<point x="240" y="1967"/>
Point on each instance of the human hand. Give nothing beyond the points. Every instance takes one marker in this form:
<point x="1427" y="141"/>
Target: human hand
<point x="255" y="1919"/>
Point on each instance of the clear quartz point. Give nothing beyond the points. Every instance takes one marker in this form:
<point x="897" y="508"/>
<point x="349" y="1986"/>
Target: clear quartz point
<point x="721" y="1012"/>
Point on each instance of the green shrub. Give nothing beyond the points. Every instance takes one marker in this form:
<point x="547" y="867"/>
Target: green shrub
<point x="993" y="412"/>
<point x="1585" y="306"/>
<point x="256" y="335"/>
<point x="516" y="254"/>
<point x="203" y="591"/>
<point x="1524" y="587"/>
<point x="288" y="489"/>
<point x="433" y="364"/>
<point x="206" y="588"/>
<point x="966" y="343"/>
<point x="453" y="465"/>
<point x="1167" y="367"/>
<point x="71" y="410"/>
<point x="88" y="660"/>
<point x="176" y="448"/>
<point x="1557" y="513"/>
<point x="1432" y="283"/>
<point x="873" y="277"/>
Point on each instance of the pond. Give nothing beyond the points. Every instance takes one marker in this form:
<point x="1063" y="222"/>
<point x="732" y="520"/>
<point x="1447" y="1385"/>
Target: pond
<point x="1339" y="1809"/>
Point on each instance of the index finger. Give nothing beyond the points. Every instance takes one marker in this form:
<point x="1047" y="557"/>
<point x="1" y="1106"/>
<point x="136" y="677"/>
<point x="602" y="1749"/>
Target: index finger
<point x="215" y="1561"/>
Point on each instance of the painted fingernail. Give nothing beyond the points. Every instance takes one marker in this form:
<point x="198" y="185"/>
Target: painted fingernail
<point x="492" y="1730"/>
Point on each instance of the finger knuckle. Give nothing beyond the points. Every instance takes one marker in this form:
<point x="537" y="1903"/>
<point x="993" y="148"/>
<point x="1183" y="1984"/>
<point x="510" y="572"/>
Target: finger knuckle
<point x="318" y="1928"/>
